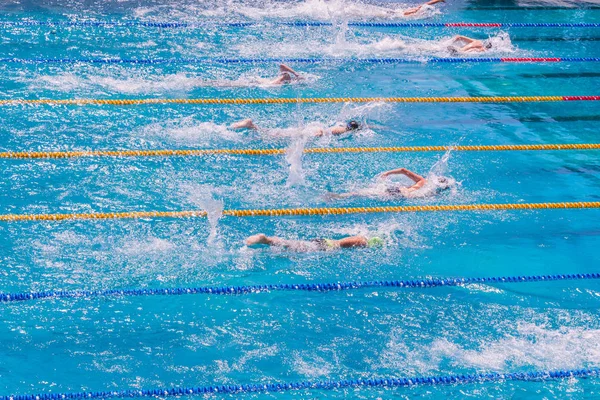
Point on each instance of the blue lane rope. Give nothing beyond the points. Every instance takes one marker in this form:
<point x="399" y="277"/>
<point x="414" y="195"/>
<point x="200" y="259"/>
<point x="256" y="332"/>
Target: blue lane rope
<point x="151" y="24"/>
<point x="320" y="385"/>
<point x="449" y="60"/>
<point x="316" y="287"/>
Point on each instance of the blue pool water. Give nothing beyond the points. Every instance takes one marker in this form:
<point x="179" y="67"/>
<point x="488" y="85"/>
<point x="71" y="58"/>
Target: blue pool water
<point x="127" y="343"/>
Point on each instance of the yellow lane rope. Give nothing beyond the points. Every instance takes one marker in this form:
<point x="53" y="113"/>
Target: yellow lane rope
<point x="261" y="152"/>
<point x="122" y="102"/>
<point x="300" y="211"/>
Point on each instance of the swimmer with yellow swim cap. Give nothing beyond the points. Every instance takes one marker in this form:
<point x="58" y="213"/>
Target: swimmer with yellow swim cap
<point x="315" y="244"/>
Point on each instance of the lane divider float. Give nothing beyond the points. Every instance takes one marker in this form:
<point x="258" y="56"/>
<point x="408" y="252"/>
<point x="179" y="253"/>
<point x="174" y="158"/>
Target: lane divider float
<point x="270" y="152"/>
<point x="431" y="380"/>
<point x="432" y="60"/>
<point x="365" y="24"/>
<point x="293" y="287"/>
<point x="295" y="212"/>
<point x="478" y="99"/>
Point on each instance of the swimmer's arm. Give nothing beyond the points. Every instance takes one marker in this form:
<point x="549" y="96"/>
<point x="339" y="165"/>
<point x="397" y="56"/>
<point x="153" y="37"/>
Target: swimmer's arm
<point x="471" y="47"/>
<point x="285" y="68"/>
<point x="418" y="179"/>
<point x="412" y="11"/>
<point x="432" y="2"/>
<point x="463" y="38"/>
<point x="338" y="130"/>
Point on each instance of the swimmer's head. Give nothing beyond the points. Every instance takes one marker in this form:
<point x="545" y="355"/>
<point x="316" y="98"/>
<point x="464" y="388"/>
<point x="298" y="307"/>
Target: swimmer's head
<point x="375" y="242"/>
<point x="487" y="44"/>
<point x="286" y="77"/>
<point x="442" y="182"/>
<point x="352" y="125"/>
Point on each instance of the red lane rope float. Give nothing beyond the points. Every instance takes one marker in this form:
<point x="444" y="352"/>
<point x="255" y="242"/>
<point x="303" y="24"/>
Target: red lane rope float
<point x="531" y="59"/>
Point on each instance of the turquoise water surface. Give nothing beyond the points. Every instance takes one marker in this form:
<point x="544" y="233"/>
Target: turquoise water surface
<point x="126" y="343"/>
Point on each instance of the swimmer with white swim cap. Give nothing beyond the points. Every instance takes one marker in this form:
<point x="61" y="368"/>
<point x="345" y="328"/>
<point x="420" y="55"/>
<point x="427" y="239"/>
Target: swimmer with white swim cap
<point x="394" y="189"/>
<point x="412" y="11"/>
<point x="336" y="130"/>
<point x="315" y="244"/>
<point x="469" y="45"/>
<point x="286" y="75"/>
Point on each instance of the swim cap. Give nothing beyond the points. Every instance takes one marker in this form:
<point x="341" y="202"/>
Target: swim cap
<point x="352" y="125"/>
<point x="443" y="182"/>
<point x="375" y="242"/>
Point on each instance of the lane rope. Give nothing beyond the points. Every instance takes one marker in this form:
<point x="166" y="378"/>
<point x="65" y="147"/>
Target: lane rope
<point x="479" y="99"/>
<point x="433" y="60"/>
<point x="374" y="24"/>
<point x="431" y="380"/>
<point x="314" y="150"/>
<point x="294" y="287"/>
<point x="300" y="211"/>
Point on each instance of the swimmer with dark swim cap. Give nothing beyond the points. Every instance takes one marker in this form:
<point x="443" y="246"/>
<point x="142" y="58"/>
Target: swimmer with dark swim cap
<point x="469" y="45"/>
<point x="395" y="189"/>
<point x="315" y="244"/>
<point x="336" y="130"/>
<point x="340" y="129"/>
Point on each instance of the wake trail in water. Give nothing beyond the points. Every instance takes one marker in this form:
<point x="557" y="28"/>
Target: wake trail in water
<point x="173" y="83"/>
<point x="321" y="10"/>
<point x="386" y="46"/>
<point x="529" y="345"/>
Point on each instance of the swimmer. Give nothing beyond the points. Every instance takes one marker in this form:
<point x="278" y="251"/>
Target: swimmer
<point x="335" y="130"/>
<point x="469" y="45"/>
<point x="286" y="75"/>
<point x="394" y="189"/>
<point x="414" y="10"/>
<point x="314" y="244"/>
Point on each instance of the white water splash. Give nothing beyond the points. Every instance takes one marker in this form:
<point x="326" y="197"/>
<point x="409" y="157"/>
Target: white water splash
<point x="293" y="156"/>
<point x="438" y="179"/>
<point x="204" y="197"/>
<point x="529" y="345"/>
<point x="396" y="45"/>
<point x="190" y="131"/>
<point x="173" y="83"/>
<point x="322" y="10"/>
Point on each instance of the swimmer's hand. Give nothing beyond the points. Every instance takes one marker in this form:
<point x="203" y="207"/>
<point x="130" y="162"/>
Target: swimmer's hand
<point x="254" y="240"/>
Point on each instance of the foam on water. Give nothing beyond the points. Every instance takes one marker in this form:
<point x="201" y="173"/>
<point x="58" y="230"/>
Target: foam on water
<point x="334" y="9"/>
<point x="322" y="10"/>
<point x="188" y="130"/>
<point x="141" y="83"/>
<point x="528" y="345"/>
<point x="150" y="245"/>
<point x="372" y="45"/>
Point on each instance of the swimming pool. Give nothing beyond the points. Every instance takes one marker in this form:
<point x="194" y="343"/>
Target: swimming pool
<point x="118" y="343"/>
